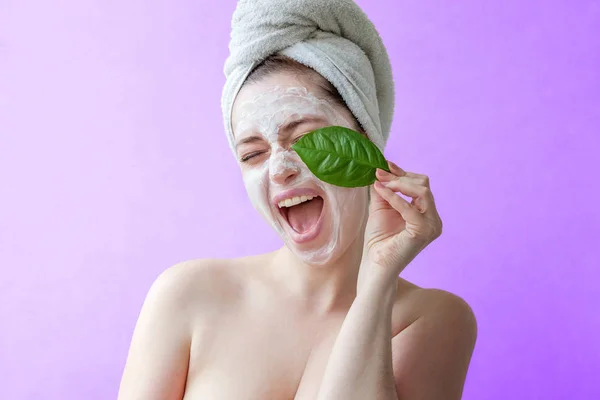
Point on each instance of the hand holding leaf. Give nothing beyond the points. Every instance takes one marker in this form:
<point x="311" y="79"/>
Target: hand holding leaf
<point x="396" y="230"/>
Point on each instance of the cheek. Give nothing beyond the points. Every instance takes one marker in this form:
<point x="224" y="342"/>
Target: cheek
<point x="256" y="183"/>
<point x="349" y="205"/>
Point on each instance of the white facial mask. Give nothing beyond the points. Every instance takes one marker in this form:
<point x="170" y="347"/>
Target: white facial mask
<point x="264" y="115"/>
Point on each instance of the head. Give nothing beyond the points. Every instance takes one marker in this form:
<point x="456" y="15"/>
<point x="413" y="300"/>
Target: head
<point x="280" y="101"/>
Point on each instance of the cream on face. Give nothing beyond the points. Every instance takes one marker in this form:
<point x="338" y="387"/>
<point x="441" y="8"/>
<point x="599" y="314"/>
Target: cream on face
<point x="273" y="173"/>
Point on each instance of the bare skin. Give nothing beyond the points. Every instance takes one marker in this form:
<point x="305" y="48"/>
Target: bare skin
<point x="223" y="329"/>
<point x="273" y="327"/>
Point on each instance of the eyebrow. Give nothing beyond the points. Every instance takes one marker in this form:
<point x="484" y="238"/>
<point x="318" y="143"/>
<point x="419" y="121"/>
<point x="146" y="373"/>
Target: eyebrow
<point x="287" y="127"/>
<point x="290" y="126"/>
<point x="249" y="139"/>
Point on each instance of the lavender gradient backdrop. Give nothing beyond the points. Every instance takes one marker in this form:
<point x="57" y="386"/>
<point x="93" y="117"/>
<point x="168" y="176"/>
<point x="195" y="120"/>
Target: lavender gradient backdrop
<point x="114" y="166"/>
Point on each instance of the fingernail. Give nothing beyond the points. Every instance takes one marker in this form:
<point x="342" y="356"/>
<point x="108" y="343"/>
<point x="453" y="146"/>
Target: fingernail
<point x="383" y="172"/>
<point x="379" y="185"/>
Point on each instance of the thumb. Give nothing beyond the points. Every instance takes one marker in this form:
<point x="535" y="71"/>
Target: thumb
<point x="377" y="202"/>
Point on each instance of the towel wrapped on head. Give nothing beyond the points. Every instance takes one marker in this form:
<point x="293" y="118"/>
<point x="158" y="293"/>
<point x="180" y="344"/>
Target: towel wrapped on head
<point x="333" y="37"/>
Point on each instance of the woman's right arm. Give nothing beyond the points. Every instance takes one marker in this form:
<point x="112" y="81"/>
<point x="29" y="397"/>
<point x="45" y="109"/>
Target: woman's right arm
<point x="157" y="364"/>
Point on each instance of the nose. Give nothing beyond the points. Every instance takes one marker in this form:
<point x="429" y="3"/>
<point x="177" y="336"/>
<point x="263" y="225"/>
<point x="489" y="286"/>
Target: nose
<point x="282" y="170"/>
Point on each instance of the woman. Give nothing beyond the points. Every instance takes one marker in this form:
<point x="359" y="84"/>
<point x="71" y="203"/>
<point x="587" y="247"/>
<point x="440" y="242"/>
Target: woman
<point x="326" y="316"/>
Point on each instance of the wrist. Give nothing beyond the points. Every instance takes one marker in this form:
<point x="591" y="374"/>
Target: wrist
<point x="378" y="273"/>
<point x="375" y="280"/>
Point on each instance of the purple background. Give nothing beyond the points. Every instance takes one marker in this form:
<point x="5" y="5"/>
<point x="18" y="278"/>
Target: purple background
<point x="114" y="166"/>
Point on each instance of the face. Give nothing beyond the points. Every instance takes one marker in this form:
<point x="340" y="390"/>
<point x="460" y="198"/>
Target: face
<point x="316" y="220"/>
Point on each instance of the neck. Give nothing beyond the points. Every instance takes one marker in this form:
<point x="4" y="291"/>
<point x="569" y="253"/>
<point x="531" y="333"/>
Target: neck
<point x="324" y="288"/>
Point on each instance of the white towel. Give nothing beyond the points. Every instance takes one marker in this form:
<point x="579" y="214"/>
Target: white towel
<point x="333" y="37"/>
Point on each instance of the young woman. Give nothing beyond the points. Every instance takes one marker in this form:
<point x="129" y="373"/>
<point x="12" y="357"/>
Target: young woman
<point x="326" y="316"/>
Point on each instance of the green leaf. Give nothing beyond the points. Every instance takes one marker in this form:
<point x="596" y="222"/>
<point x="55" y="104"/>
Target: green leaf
<point x="340" y="156"/>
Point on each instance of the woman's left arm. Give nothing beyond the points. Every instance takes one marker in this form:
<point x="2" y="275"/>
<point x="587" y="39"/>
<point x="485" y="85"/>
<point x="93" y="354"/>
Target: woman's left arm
<point x="428" y="359"/>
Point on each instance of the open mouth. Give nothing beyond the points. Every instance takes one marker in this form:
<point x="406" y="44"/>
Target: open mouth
<point x="302" y="213"/>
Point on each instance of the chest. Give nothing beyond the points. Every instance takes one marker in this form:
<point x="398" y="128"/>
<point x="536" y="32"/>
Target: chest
<point x="261" y="358"/>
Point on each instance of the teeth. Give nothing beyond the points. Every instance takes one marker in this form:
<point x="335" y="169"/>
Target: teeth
<point x="294" y="201"/>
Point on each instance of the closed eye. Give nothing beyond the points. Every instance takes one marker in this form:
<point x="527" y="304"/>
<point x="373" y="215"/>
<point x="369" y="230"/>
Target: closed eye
<point x="300" y="137"/>
<point x="247" y="157"/>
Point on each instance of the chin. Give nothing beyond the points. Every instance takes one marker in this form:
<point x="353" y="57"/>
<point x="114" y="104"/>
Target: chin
<point x="330" y="244"/>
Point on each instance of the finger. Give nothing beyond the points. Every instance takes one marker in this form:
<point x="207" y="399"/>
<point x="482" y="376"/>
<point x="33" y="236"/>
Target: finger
<point x="396" y="170"/>
<point x="421" y="205"/>
<point x="419" y="178"/>
<point x="422" y="197"/>
<point x="385" y="176"/>
<point x="376" y="199"/>
<point x="407" y="186"/>
<point x="408" y="212"/>
<point x="377" y="202"/>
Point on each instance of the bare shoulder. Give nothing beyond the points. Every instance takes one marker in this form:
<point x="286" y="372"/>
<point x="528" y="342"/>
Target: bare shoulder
<point x="205" y="281"/>
<point x="439" y="307"/>
<point x="434" y="338"/>
<point x="158" y="358"/>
